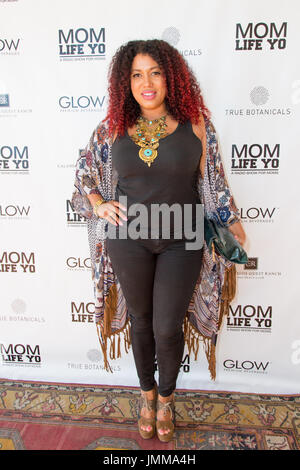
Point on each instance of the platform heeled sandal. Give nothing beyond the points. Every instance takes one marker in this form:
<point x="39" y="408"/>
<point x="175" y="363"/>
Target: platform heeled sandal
<point x="168" y="424"/>
<point x="151" y="406"/>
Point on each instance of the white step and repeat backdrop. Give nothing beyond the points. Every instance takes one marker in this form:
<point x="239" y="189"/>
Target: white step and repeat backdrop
<point x="54" y="57"/>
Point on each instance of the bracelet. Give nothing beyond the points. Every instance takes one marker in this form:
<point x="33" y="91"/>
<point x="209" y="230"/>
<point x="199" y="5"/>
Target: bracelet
<point x="98" y="203"/>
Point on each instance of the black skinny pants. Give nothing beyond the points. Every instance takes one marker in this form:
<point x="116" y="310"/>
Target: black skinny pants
<point x="157" y="277"/>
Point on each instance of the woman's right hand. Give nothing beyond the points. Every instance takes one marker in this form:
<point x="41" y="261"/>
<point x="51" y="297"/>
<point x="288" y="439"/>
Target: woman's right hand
<point x="111" y="212"/>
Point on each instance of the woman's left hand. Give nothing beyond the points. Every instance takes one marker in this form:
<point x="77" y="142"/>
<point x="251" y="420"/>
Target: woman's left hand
<point x="238" y="232"/>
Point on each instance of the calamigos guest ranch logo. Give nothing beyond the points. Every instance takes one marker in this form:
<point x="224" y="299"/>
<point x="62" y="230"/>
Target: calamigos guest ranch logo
<point x="20" y="354"/>
<point x="252" y="270"/>
<point x="260" y="36"/>
<point x="7" y="105"/>
<point x="4" y="100"/>
<point x="82" y="44"/>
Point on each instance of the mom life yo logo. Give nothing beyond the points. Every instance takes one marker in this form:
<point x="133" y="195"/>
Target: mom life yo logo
<point x="82" y="44"/>
<point x="17" y="262"/>
<point x="83" y="312"/>
<point x="184" y="366"/>
<point x="73" y="218"/>
<point x="260" y="36"/>
<point x="14" y="158"/>
<point x="250" y="318"/>
<point x="20" y="354"/>
<point x="255" y="158"/>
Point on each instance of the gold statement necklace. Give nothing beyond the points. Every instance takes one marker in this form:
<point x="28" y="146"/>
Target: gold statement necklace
<point x="147" y="136"/>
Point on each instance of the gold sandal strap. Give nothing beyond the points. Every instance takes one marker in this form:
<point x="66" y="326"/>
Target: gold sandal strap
<point x="149" y="404"/>
<point x="165" y="407"/>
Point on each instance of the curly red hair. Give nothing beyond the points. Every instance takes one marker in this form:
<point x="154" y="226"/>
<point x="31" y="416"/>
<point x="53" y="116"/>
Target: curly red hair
<point x="183" y="101"/>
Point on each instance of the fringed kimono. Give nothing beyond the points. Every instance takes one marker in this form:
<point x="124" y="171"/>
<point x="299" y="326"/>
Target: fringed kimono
<point x="215" y="287"/>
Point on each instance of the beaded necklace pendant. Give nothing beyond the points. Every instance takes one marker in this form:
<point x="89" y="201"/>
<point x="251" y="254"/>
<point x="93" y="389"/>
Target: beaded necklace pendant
<point x="147" y="136"/>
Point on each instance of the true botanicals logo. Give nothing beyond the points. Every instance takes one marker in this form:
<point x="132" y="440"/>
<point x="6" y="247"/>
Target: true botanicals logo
<point x="259" y="96"/>
<point x="20" y="314"/>
<point x="172" y="36"/>
<point x="95" y="363"/>
<point x="260" y="36"/>
<point x="20" y="354"/>
<point x="82" y="44"/>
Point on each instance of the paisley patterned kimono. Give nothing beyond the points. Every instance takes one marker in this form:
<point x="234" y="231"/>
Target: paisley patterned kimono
<point x="215" y="287"/>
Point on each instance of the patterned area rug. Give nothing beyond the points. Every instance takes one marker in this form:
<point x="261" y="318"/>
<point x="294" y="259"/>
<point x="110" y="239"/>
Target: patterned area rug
<point x="53" y="416"/>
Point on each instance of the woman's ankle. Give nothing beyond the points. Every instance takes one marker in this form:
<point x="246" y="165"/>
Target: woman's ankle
<point x="149" y="394"/>
<point x="166" y="399"/>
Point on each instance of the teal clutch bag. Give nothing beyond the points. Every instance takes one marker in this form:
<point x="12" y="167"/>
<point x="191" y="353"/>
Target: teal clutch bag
<point x="221" y="239"/>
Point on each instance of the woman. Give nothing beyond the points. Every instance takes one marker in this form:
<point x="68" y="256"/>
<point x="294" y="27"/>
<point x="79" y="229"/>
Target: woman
<point x="152" y="149"/>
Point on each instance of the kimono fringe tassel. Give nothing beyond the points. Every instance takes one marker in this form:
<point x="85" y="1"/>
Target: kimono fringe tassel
<point x="110" y="308"/>
<point x="192" y="337"/>
<point x="115" y="343"/>
<point x="228" y="292"/>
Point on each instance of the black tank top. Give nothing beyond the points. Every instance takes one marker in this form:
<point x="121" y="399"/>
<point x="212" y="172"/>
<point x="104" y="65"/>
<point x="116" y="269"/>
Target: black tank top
<point x="170" y="179"/>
